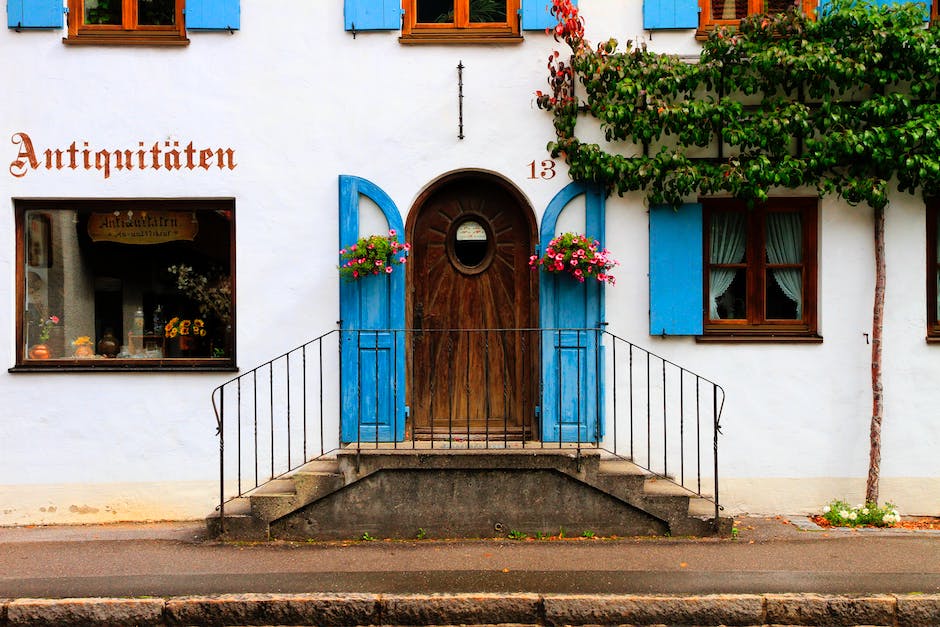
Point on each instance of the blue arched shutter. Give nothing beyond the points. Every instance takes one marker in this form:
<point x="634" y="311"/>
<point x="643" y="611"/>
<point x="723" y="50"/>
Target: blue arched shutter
<point x="213" y="15"/>
<point x="572" y="319"/>
<point x="670" y="14"/>
<point x="34" y="13"/>
<point x="537" y="14"/>
<point x="372" y="321"/>
<point x="676" y="283"/>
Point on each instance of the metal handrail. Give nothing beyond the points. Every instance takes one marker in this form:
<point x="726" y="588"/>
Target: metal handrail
<point x="288" y="408"/>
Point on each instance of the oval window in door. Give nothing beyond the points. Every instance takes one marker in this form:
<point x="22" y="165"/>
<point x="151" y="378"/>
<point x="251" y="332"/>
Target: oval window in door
<point x="470" y="245"/>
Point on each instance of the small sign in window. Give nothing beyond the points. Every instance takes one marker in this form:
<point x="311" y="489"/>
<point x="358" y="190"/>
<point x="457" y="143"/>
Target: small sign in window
<point x="470" y="243"/>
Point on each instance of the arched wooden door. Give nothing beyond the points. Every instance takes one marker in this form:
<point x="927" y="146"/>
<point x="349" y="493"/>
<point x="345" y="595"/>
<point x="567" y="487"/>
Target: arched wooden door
<point x="473" y="307"/>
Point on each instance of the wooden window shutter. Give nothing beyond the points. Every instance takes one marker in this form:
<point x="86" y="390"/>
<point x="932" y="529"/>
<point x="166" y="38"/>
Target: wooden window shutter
<point x="34" y="13"/>
<point x="665" y="14"/>
<point x="372" y="312"/>
<point x="213" y="15"/>
<point x="676" y="296"/>
<point x="537" y="14"/>
<point x="372" y="14"/>
<point x="572" y="322"/>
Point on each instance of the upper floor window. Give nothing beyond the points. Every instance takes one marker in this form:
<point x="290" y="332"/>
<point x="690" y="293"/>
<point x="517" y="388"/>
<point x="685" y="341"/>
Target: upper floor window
<point x="730" y="12"/>
<point x="149" y="22"/>
<point x="469" y="21"/>
<point x="760" y="267"/>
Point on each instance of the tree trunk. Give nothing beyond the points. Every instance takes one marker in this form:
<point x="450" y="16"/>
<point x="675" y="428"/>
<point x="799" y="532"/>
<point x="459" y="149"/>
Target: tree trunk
<point x="877" y="397"/>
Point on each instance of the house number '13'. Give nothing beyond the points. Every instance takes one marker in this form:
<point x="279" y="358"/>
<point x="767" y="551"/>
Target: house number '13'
<point x="544" y="170"/>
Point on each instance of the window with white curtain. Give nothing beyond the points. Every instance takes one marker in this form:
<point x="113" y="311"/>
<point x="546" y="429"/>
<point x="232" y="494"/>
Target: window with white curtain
<point x="933" y="271"/>
<point x="760" y="267"/>
<point x="730" y="12"/>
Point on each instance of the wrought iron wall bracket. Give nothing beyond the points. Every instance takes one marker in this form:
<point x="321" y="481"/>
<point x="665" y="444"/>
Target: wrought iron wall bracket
<point x="460" y="67"/>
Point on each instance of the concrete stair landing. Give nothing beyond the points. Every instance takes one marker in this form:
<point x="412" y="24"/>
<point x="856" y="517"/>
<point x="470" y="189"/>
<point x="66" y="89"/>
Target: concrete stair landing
<point x="466" y="493"/>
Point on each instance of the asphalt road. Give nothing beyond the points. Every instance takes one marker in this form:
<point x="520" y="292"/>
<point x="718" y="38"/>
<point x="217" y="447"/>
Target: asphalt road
<point x="173" y="559"/>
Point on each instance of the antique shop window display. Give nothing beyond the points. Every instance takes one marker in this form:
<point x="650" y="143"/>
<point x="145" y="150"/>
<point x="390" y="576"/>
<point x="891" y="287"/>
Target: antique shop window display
<point x="125" y="284"/>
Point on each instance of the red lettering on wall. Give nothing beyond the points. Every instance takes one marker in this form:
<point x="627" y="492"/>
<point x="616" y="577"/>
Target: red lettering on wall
<point x="105" y="161"/>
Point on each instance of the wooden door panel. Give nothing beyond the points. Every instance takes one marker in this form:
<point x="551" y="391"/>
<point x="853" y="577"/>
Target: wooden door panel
<point x="472" y="371"/>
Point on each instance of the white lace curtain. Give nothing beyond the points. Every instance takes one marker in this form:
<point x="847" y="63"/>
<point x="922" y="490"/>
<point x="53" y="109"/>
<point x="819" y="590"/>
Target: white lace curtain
<point x="729" y="9"/>
<point x="785" y="245"/>
<point x="727" y="244"/>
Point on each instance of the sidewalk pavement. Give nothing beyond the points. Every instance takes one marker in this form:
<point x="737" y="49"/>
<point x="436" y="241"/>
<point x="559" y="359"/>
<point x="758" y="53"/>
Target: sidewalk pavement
<point x="773" y="571"/>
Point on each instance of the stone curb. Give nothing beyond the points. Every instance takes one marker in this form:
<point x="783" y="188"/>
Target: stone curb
<point x="909" y="610"/>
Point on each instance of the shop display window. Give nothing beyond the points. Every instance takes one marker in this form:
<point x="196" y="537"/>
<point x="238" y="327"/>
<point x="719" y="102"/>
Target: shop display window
<point x="125" y="284"/>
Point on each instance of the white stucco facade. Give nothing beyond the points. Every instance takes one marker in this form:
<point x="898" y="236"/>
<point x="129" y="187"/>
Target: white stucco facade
<point x="300" y="102"/>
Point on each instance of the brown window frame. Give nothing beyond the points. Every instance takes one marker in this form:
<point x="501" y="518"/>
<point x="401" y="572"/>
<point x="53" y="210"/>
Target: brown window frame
<point x="754" y="7"/>
<point x="933" y="268"/>
<point x="43" y="258"/>
<point x="129" y="33"/>
<point x="461" y="30"/>
<point x="757" y="325"/>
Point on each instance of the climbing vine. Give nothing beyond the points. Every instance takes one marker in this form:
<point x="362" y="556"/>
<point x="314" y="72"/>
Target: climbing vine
<point x="846" y="104"/>
<point x="842" y="104"/>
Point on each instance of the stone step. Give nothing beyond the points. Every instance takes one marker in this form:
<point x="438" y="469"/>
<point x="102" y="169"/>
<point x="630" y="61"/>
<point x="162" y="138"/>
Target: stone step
<point x="356" y="464"/>
<point x="240" y="523"/>
<point x="657" y="495"/>
<point x="310" y="497"/>
<point x="274" y="486"/>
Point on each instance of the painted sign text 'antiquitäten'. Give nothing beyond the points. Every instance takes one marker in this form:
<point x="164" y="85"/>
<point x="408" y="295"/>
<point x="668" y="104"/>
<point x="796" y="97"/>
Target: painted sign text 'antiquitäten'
<point x="170" y="156"/>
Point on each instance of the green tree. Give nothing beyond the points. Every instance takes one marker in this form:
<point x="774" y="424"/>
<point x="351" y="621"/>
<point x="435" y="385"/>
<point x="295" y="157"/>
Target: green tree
<point x="845" y="104"/>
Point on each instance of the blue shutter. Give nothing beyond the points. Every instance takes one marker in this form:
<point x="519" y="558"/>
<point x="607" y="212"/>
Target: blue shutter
<point x="372" y="319"/>
<point x="676" y="281"/>
<point x="824" y="5"/>
<point x="664" y="14"/>
<point x="892" y="3"/>
<point x="537" y="14"/>
<point x="34" y="13"/>
<point x="213" y="15"/>
<point x="372" y="14"/>
<point x="572" y="319"/>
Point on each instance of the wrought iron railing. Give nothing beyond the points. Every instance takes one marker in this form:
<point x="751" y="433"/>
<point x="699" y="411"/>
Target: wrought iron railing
<point x="493" y="388"/>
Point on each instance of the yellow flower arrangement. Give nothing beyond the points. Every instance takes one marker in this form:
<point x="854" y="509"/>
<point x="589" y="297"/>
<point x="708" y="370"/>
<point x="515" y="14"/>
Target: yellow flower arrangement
<point x="84" y="347"/>
<point x="177" y="326"/>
